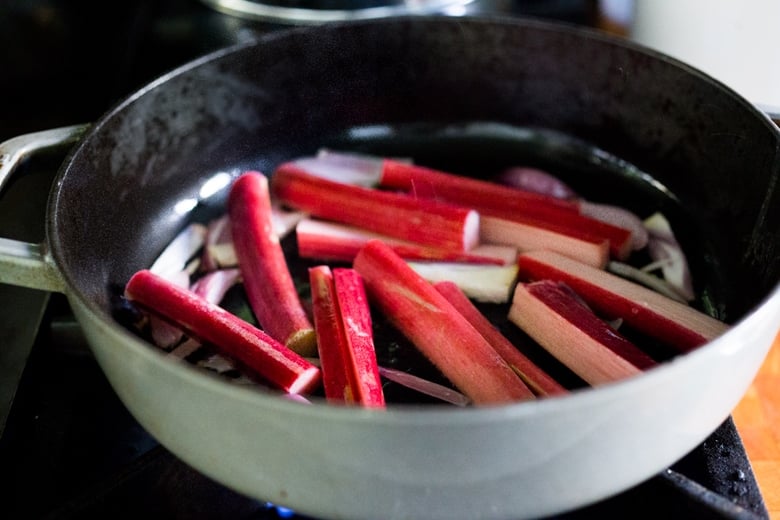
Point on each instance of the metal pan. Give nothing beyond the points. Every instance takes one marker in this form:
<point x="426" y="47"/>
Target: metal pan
<point x="690" y="147"/>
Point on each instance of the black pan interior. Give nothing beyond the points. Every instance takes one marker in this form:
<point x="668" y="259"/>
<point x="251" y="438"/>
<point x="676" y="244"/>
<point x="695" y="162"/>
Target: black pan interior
<point x="414" y="87"/>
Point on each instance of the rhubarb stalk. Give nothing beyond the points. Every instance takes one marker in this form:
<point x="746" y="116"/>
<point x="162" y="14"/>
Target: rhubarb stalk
<point x="645" y="310"/>
<point x="231" y="335"/>
<point x="526" y="237"/>
<point x="496" y="200"/>
<point x="417" y="220"/>
<point x="436" y="328"/>
<point x="267" y="280"/>
<point x="324" y="240"/>
<point x="534" y="377"/>
<point x="555" y="318"/>
<point x="344" y="337"/>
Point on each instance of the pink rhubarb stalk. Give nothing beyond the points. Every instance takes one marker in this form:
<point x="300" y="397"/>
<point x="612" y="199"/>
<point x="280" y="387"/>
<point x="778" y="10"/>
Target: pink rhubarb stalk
<point x="645" y="310"/>
<point x="324" y="240"/>
<point x="423" y="221"/>
<point x="269" y="286"/>
<point x="526" y="237"/>
<point x="436" y="328"/>
<point x="231" y="335"/>
<point x="534" y="377"/>
<point x="344" y="337"/>
<point x="554" y="317"/>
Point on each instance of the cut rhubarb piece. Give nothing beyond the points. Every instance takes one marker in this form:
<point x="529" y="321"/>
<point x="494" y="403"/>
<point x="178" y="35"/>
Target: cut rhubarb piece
<point x="620" y="240"/>
<point x="611" y="296"/>
<point x="232" y="336"/>
<point x="470" y="192"/>
<point x="330" y="241"/>
<point x="356" y="321"/>
<point x="534" y="377"/>
<point x="417" y="220"/>
<point x="496" y="200"/>
<point x="436" y="328"/>
<point x="337" y="381"/>
<point x="556" y="319"/>
<point x="527" y="237"/>
<point x="267" y="280"/>
<point x="344" y="337"/>
<point x="483" y="283"/>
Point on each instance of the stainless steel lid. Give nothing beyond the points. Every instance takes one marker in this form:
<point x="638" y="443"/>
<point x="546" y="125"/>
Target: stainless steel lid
<point x="321" y="11"/>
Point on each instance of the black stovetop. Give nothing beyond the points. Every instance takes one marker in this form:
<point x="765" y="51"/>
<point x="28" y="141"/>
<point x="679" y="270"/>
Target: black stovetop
<point x="69" y="448"/>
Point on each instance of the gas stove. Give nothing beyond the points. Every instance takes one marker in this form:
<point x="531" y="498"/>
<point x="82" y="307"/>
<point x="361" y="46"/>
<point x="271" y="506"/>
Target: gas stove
<point x="69" y="448"/>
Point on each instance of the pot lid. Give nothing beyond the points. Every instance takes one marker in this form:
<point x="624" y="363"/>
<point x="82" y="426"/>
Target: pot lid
<point x="320" y="11"/>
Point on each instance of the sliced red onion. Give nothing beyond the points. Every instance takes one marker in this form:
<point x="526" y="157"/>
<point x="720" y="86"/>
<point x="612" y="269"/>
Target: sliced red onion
<point x="219" y="252"/>
<point x="647" y="279"/>
<point x="535" y="180"/>
<point x="285" y="220"/>
<point x="349" y="168"/>
<point x="619" y="217"/>
<point x="222" y="255"/>
<point x="424" y="386"/>
<point x="663" y="248"/>
<point x="298" y="398"/>
<point x="214" y="285"/>
<point x="185" y="349"/>
<point x="217" y="231"/>
<point x="418" y="384"/>
<point x="218" y="363"/>
<point x="180" y="250"/>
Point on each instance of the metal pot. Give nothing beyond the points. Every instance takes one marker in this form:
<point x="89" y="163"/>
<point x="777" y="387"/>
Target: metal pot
<point x="135" y="178"/>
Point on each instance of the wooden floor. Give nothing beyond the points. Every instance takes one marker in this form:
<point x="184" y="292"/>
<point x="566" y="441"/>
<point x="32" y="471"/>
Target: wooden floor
<point x="757" y="418"/>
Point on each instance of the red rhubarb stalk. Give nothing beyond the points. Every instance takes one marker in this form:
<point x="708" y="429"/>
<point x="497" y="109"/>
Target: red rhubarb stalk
<point x="645" y="310"/>
<point x="325" y="240"/>
<point x="356" y="320"/>
<point x="526" y="237"/>
<point x="231" y="335"/>
<point x="344" y="337"/>
<point x="496" y="200"/>
<point x="469" y="191"/>
<point x="267" y="280"/>
<point x="436" y="328"/>
<point x="417" y="220"/>
<point x="556" y="319"/>
<point x="534" y="377"/>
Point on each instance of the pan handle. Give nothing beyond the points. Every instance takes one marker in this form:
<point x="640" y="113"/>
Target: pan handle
<point x="23" y="263"/>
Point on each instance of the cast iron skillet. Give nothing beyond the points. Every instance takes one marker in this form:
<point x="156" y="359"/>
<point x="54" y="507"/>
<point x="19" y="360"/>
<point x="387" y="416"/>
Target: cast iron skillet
<point x="470" y="95"/>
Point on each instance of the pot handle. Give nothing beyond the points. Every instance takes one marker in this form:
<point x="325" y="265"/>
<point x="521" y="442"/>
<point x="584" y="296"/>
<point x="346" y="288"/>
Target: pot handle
<point x="23" y="263"/>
